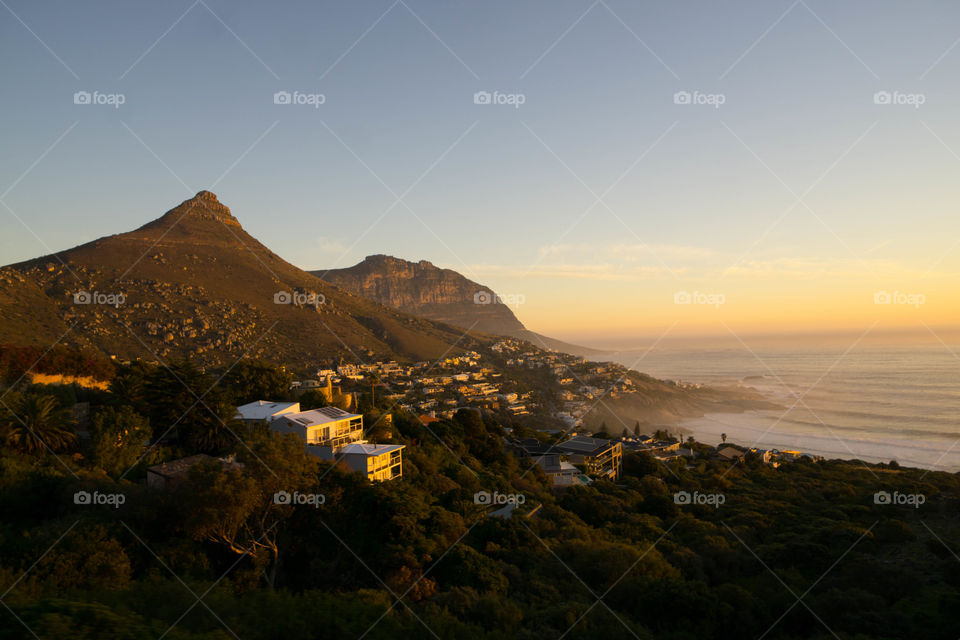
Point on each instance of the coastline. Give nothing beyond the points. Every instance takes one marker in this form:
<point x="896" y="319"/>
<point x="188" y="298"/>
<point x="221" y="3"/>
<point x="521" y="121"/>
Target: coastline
<point x="877" y="404"/>
<point x="752" y="429"/>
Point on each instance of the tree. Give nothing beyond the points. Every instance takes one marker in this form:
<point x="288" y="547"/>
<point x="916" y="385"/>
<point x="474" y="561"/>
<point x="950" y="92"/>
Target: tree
<point x="129" y="389"/>
<point x="235" y="506"/>
<point x="185" y="401"/>
<point x="374" y="381"/>
<point x="118" y="438"/>
<point x="625" y="434"/>
<point x="636" y="428"/>
<point x="723" y="437"/>
<point x="35" y="422"/>
<point x="251" y="381"/>
<point x="214" y="429"/>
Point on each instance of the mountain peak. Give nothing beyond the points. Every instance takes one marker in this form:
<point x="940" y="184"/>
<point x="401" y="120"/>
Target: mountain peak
<point x="384" y="259"/>
<point x="209" y="196"/>
<point x="205" y="206"/>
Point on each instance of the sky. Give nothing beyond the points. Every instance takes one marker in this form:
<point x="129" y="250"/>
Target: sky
<point x="614" y="170"/>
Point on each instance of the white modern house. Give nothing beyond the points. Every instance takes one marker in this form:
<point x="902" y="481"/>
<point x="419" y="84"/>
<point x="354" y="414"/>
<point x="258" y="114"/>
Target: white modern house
<point x="325" y="430"/>
<point x="377" y="462"/>
<point x="265" y="411"/>
<point x="561" y="472"/>
<point x="334" y="434"/>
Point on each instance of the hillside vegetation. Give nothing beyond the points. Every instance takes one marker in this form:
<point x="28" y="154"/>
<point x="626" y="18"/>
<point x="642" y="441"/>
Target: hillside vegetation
<point x="802" y="551"/>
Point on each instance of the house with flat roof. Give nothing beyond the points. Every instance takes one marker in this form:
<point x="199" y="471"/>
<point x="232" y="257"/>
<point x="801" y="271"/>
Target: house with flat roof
<point x="597" y="457"/>
<point x="600" y="458"/>
<point x="323" y="430"/>
<point x="729" y="454"/>
<point x="377" y="462"/>
<point x="561" y="472"/>
<point x="265" y="410"/>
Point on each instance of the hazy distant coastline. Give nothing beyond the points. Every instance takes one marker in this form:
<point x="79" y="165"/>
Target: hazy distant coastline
<point x="876" y="403"/>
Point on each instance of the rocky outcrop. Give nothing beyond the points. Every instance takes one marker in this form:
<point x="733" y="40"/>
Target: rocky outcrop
<point x="439" y="294"/>
<point x="204" y="206"/>
<point x="425" y="290"/>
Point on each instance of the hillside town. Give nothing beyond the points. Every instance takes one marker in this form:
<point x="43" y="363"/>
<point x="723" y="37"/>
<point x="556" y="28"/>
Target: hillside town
<point x="566" y="451"/>
<point x="465" y="380"/>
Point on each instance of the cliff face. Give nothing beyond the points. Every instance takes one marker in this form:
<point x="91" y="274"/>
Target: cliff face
<point x="425" y="290"/>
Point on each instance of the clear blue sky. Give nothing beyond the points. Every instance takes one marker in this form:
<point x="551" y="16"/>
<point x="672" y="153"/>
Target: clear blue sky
<point x="507" y="193"/>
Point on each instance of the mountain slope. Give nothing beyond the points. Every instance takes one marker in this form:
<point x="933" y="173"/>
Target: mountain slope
<point x="194" y="284"/>
<point x="444" y="295"/>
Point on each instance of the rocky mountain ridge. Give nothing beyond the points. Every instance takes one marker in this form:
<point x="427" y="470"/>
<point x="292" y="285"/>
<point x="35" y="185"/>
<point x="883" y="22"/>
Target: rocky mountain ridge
<point x="193" y="283"/>
<point x="445" y="295"/>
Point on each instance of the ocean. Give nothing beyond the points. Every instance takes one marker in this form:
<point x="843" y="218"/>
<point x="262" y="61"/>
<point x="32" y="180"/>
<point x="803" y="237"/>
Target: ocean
<point x="876" y="403"/>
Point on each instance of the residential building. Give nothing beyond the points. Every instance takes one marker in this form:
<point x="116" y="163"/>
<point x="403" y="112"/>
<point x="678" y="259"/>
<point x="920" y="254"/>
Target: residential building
<point x="265" y="410"/>
<point x="377" y="462"/>
<point x="561" y="472"/>
<point x="324" y="430"/>
<point x="730" y="454"/>
<point x="600" y="458"/>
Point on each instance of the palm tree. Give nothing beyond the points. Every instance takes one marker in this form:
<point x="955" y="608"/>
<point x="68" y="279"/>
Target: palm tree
<point x="36" y="422"/>
<point x="130" y="389"/>
<point x="213" y="429"/>
<point x="374" y="379"/>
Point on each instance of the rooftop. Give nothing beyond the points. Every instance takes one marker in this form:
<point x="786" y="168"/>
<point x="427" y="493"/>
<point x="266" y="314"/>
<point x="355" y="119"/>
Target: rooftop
<point x="323" y="415"/>
<point x="263" y="409"/>
<point x="585" y="445"/>
<point x="370" y="449"/>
